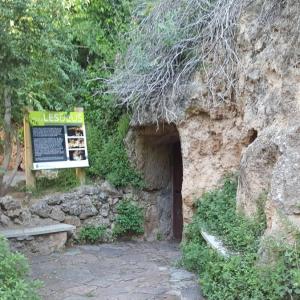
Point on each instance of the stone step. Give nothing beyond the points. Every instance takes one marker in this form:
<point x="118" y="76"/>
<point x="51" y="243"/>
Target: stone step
<point x="38" y="230"/>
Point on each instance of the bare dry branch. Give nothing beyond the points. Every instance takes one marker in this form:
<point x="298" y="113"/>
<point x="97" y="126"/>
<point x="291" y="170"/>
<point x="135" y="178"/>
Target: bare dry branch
<point x="175" y="40"/>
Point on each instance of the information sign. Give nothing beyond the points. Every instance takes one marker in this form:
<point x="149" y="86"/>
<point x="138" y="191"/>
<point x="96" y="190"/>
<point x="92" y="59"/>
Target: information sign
<point x="58" y="140"/>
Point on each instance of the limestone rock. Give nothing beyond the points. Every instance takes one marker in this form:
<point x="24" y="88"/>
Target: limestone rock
<point x="87" y="209"/>
<point x="25" y="217"/>
<point x="13" y="213"/>
<point x="71" y="207"/>
<point x="107" y="188"/>
<point x="4" y="220"/>
<point x="87" y="212"/>
<point x="41" y="209"/>
<point x="55" y="199"/>
<point x="113" y="201"/>
<point x="104" y="210"/>
<point x="87" y="190"/>
<point x="57" y="214"/>
<point x="97" y="221"/>
<point x="9" y="203"/>
<point x="72" y="221"/>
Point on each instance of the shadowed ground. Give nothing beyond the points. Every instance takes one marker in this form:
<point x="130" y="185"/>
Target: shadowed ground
<point x="121" y="271"/>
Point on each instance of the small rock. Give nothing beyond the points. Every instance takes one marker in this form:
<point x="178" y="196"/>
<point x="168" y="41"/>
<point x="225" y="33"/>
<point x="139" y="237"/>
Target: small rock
<point x="13" y="213"/>
<point x="42" y="209"/>
<point x="104" y="210"/>
<point x="296" y="210"/>
<point x="113" y="201"/>
<point x="55" y="200"/>
<point x="102" y="196"/>
<point x="254" y="75"/>
<point x="72" y="220"/>
<point x="17" y="221"/>
<point x="25" y="216"/>
<point x="4" y="220"/>
<point x="97" y="221"/>
<point x="9" y="203"/>
<point x="57" y="214"/>
<point x="106" y="187"/>
<point x="87" y="190"/>
<point x="88" y="211"/>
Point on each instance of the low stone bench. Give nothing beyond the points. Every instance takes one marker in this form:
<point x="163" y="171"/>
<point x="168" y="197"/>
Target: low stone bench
<point x="41" y="239"/>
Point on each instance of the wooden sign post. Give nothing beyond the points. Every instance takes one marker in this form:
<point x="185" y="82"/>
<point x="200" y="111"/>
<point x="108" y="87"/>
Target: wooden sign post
<point x="80" y="172"/>
<point x="29" y="174"/>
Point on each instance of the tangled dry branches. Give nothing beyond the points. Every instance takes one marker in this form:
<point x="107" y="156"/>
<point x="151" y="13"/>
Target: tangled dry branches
<point x="176" y="39"/>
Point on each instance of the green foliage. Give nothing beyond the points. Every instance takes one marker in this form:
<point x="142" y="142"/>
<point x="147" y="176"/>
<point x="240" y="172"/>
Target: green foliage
<point x="50" y="54"/>
<point x="14" y="283"/>
<point x="129" y="220"/>
<point x="92" y="234"/>
<point x="159" y="236"/>
<point x="242" y="276"/>
<point x="108" y="156"/>
<point x="37" y="60"/>
<point x="216" y="212"/>
<point x="65" y="181"/>
<point x="97" y="27"/>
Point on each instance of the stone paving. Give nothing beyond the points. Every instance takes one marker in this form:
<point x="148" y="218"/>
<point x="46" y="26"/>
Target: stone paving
<point x="121" y="271"/>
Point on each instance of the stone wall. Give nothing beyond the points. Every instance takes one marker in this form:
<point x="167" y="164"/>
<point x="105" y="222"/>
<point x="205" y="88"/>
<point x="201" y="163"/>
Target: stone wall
<point x="86" y="205"/>
<point x="211" y="149"/>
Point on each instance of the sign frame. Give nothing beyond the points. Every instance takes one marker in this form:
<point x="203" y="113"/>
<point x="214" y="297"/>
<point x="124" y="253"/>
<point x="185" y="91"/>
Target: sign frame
<point x="74" y="143"/>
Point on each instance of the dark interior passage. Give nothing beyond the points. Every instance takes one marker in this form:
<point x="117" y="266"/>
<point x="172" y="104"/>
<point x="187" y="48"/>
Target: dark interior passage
<point x="159" y="157"/>
<point x="177" y="197"/>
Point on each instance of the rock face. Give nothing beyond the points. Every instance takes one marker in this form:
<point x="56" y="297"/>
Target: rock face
<point x="211" y="148"/>
<point x="254" y="131"/>
<point x="269" y="92"/>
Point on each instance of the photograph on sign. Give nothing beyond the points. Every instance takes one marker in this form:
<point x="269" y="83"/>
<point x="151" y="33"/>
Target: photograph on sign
<point x="58" y="140"/>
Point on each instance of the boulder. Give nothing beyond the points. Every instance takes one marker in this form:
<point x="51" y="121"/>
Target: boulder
<point x="41" y="209"/>
<point x="109" y="189"/>
<point x="4" y="220"/>
<point x="9" y="203"/>
<point x="88" y="211"/>
<point x="57" y="214"/>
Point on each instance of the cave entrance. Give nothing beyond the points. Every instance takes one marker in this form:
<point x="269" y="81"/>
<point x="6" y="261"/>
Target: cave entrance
<point x="177" y="218"/>
<point x="161" y="163"/>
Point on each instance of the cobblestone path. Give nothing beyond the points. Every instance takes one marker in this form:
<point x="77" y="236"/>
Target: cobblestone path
<point x="121" y="271"/>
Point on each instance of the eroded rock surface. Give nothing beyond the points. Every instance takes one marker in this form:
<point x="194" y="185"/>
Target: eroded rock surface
<point x="252" y="129"/>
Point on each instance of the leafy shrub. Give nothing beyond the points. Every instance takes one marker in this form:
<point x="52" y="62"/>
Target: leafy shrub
<point x="239" y="277"/>
<point x="216" y="212"/>
<point x="65" y="180"/>
<point x="92" y="234"/>
<point x="14" y="283"/>
<point x="108" y="156"/>
<point x="129" y="220"/>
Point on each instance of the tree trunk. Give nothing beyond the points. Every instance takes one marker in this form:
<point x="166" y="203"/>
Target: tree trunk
<point x="7" y="145"/>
